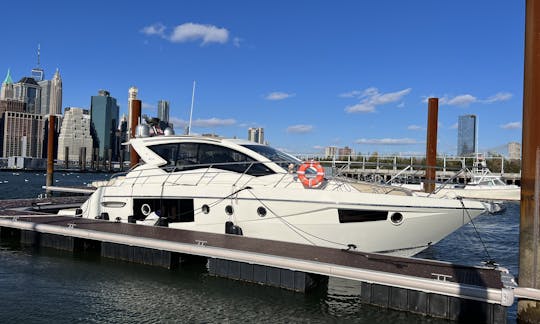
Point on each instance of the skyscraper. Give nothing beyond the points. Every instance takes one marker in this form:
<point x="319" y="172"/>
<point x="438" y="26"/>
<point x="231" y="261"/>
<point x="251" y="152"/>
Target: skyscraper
<point x="7" y="87"/>
<point x="37" y="73"/>
<point x="514" y="150"/>
<point x="55" y="104"/>
<point x="75" y="134"/>
<point x="28" y="91"/>
<point x="132" y="95"/>
<point x="51" y="95"/>
<point x="163" y="110"/>
<point x="104" y="120"/>
<point x="22" y="134"/>
<point x="466" y="135"/>
<point x="256" y="135"/>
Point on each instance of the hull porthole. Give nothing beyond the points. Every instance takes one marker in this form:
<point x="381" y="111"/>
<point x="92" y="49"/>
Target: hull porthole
<point x="396" y="218"/>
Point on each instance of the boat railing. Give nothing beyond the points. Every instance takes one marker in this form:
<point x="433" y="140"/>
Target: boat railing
<point x="204" y="171"/>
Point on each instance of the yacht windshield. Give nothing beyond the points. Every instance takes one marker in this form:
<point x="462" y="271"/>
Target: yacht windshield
<point x="278" y="157"/>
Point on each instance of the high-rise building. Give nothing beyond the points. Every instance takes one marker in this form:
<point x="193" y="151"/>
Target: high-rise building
<point x="11" y="105"/>
<point x="163" y="110"/>
<point x="132" y="95"/>
<point x="75" y="134"/>
<point x="104" y="121"/>
<point x="514" y="150"/>
<point x="466" y="135"/>
<point x="51" y="95"/>
<point x="330" y="151"/>
<point x="256" y="135"/>
<point x="28" y="91"/>
<point x="7" y="87"/>
<point x="20" y="129"/>
<point x="345" y="151"/>
<point x="37" y="73"/>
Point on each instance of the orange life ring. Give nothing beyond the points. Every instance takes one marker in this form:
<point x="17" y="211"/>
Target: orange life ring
<point x="310" y="181"/>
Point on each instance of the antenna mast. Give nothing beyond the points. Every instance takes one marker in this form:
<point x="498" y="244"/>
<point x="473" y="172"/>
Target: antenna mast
<point x="38" y="52"/>
<point x="191" y="111"/>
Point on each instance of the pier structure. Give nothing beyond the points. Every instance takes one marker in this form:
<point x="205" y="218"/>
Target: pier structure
<point x="529" y="229"/>
<point x="433" y="288"/>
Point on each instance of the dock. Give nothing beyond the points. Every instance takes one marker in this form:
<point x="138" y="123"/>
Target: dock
<point x="432" y="288"/>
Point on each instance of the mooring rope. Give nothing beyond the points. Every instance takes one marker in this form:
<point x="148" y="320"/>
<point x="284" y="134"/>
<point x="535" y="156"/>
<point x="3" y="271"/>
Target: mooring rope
<point x="490" y="262"/>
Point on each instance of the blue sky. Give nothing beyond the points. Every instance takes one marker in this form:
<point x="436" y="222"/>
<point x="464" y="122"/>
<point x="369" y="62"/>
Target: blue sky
<point x="312" y="73"/>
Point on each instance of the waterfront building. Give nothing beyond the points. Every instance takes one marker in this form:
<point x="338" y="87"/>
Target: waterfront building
<point x="75" y="134"/>
<point x="163" y="110"/>
<point x="22" y="134"/>
<point x="330" y="151"/>
<point x="466" y="135"/>
<point x="345" y="151"/>
<point x="514" y="150"/>
<point x="104" y="112"/>
<point x="132" y="95"/>
<point x="6" y="91"/>
<point x="51" y="95"/>
<point x="256" y="135"/>
<point x="122" y="136"/>
<point x="28" y="91"/>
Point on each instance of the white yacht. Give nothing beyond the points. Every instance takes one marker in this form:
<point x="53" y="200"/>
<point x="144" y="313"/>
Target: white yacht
<point x="231" y="186"/>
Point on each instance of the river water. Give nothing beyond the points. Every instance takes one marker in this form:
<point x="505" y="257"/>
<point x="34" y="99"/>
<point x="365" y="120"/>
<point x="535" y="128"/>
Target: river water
<point x="45" y="285"/>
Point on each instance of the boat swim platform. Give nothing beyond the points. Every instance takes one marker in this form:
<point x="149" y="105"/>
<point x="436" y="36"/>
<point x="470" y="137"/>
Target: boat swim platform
<point x="426" y="287"/>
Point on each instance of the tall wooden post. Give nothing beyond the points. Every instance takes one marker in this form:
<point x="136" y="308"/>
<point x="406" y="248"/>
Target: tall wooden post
<point x="82" y="158"/>
<point x="529" y="229"/>
<point x="66" y="157"/>
<point x="431" y="144"/>
<point x="136" y="114"/>
<point x="50" y="153"/>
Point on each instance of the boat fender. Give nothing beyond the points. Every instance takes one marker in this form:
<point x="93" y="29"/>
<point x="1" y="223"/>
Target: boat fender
<point x="104" y="216"/>
<point x="146" y="209"/>
<point x="230" y="228"/>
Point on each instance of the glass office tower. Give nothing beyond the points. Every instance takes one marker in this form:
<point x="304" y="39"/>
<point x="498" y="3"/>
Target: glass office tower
<point x="104" y="112"/>
<point x="466" y="135"/>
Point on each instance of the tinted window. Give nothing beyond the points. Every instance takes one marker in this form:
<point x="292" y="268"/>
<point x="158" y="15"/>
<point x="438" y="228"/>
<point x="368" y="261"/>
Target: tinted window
<point x="188" y="156"/>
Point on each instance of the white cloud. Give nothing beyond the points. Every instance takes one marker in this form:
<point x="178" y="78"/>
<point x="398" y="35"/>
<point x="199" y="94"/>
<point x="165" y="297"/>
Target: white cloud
<point x="454" y="126"/>
<point x="465" y="100"/>
<point x="213" y="122"/>
<point x="387" y="141"/>
<point x="318" y="147"/>
<point x="147" y="106"/>
<point x="512" y="125"/>
<point x="500" y="96"/>
<point x="237" y="41"/>
<point x="370" y="98"/>
<point x="155" y="29"/>
<point x="193" y="32"/>
<point x="210" y="122"/>
<point x="414" y="127"/>
<point x="278" y="95"/>
<point x="461" y="100"/>
<point x="300" y="129"/>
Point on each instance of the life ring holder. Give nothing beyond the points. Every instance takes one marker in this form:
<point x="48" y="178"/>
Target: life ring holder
<point x="310" y="182"/>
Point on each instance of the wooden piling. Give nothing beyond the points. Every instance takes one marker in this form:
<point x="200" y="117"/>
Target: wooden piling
<point x="529" y="231"/>
<point x="50" y="153"/>
<point x="66" y="157"/>
<point x="431" y="144"/>
<point x="136" y="114"/>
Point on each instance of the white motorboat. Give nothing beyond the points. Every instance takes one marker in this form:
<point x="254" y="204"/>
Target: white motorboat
<point x="238" y="187"/>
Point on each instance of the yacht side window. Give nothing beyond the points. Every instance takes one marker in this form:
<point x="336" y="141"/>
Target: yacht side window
<point x="227" y="159"/>
<point x="167" y="152"/>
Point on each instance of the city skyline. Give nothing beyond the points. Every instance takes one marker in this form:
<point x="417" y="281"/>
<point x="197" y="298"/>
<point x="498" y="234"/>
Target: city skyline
<point x="325" y="75"/>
